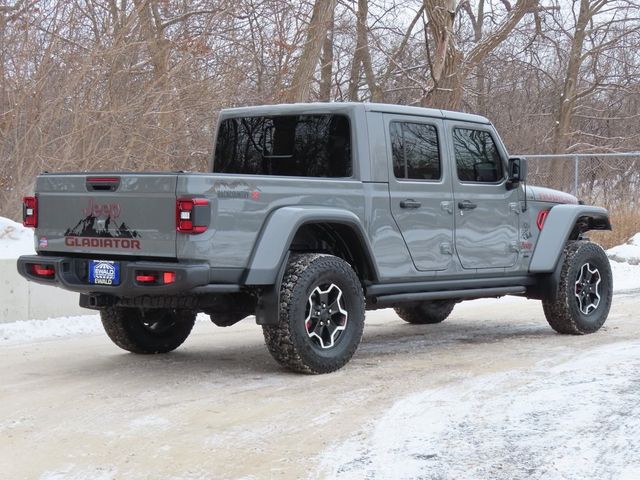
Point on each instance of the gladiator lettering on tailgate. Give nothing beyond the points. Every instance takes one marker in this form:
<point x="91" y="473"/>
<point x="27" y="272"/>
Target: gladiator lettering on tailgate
<point x="121" y="243"/>
<point x="99" y="229"/>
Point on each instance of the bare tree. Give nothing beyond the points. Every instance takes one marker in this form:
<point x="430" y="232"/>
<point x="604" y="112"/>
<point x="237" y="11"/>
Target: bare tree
<point x="136" y="84"/>
<point x="449" y="65"/>
<point x="587" y="71"/>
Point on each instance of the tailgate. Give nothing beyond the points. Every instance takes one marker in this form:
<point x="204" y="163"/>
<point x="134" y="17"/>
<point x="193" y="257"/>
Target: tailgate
<point x="107" y="214"/>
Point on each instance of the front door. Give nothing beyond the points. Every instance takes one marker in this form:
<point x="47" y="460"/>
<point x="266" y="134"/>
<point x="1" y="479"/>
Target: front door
<point x="486" y="212"/>
<point x="420" y="189"/>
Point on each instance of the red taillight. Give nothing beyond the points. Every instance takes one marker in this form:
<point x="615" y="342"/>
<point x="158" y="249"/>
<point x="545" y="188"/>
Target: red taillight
<point x="542" y="216"/>
<point x="155" y="278"/>
<point x="192" y="215"/>
<point x="30" y="212"/>
<point x="46" y="271"/>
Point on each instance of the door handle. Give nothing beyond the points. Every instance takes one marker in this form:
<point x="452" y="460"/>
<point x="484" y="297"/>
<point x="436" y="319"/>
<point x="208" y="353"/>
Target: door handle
<point x="410" y="203"/>
<point x="466" y="205"/>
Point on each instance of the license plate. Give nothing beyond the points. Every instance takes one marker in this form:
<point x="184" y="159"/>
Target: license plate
<point x="104" y="272"/>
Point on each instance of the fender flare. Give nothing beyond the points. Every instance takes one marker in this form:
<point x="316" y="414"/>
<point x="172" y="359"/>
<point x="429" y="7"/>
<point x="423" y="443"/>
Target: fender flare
<point x="558" y="227"/>
<point x="278" y="232"/>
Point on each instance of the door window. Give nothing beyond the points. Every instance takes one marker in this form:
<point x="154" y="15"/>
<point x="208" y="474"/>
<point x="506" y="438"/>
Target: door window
<point x="477" y="157"/>
<point x="415" y="151"/>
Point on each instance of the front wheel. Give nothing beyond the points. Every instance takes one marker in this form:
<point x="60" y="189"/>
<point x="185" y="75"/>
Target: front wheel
<point x="321" y="316"/>
<point x="147" y="331"/>
<point x="583" y="298"/>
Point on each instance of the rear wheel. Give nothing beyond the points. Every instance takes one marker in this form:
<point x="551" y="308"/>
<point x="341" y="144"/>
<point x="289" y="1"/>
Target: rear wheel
<point x="147" y="331"/>
<point x="583" y="298"/>
<point x="435" y="311"/>
<point x="321" y="316"/>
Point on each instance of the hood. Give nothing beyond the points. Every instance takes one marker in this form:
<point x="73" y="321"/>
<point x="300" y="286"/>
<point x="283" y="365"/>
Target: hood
<point x="543" y="194"/>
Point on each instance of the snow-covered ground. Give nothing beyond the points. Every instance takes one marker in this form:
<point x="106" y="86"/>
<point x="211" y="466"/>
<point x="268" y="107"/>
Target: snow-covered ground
<point x="15" y="240"/>
<point x="34" y="330"/>
<point x="576" y="420"/>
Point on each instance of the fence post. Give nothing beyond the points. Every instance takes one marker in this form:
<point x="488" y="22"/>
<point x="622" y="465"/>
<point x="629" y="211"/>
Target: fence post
<point x="576" y="174"/>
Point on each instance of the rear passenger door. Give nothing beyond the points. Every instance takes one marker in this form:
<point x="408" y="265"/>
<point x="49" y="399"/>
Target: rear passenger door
<point x="420" y="189"/>
<point x="487" y="213"/>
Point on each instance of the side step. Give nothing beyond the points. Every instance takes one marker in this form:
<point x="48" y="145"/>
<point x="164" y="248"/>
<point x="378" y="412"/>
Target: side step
<point x="448" y="294"/>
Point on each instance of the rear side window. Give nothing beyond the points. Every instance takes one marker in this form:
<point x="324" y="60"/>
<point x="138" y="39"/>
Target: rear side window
<point x="415" y="151"/>
<point x="477" y="157"/>
<point x="288" y="145"/>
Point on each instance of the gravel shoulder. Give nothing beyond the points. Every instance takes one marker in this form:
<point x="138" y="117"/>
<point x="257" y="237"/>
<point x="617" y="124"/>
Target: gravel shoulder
<point x="219" y="407"/>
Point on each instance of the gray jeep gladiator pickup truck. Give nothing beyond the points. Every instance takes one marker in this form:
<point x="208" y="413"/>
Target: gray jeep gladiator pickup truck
<point x="310" y="214"/>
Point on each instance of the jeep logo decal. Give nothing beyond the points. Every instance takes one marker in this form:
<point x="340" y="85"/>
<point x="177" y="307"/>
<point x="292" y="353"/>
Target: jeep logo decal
<point x="112" y="210"/>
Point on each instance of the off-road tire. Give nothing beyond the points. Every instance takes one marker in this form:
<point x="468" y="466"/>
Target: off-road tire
<point x="561" y="308"/>
<point x="289" y="342"/>
<point x="422" y="313"/>
<point x="147" y="331"/>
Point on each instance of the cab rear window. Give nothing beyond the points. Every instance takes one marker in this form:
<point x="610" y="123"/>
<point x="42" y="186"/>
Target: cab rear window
<point x="288" y="145"/>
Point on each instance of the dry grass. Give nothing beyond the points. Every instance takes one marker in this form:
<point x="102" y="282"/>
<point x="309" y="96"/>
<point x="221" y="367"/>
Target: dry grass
<point x="625" y="222"/>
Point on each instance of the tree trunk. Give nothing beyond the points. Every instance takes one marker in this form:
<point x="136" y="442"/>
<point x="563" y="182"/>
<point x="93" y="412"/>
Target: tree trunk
<point x="446" y="59"/>
<point x="564" y="112"/>
<point x="326" y="64"/>
<point x="308" y="61"/>
<point x="481" y="94"/>
<point x="449" y="67"/>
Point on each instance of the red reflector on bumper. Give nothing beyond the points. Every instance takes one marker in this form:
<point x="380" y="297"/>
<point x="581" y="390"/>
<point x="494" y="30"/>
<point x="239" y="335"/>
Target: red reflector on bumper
<point x="168" y="277"/>
<point x="146" y="278"/>
<point x="46" y="271"/>
<point x="156" y="278"/>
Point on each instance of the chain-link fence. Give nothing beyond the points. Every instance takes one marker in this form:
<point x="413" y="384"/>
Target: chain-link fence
<point x="610" y="180"/>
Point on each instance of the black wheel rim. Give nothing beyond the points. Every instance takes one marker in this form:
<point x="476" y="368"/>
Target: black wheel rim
<point x="587" y="289"/>
<point x="326" y="316"/>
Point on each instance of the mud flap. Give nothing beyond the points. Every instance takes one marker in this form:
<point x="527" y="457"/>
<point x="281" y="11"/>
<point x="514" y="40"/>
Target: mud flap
<point x="268" y="307"/>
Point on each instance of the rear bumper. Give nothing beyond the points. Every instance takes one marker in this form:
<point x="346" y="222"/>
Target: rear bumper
<point x="72" y="274"/>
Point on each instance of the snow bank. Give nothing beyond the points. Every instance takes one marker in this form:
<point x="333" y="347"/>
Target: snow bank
<point x="625" y="263"/>
<point x="33" y="330"/>
<point x="15" y="240"/>
<point x="627" y="252"/>
<point x="576" y="420"/>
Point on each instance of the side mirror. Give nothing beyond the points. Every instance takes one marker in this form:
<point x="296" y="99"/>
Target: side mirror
<point x="517" y="169"/>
